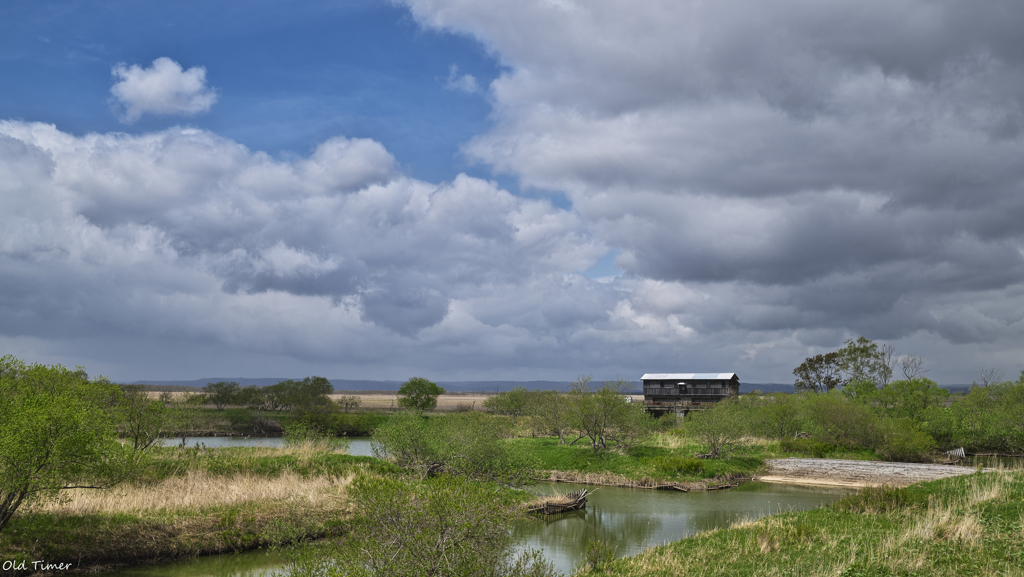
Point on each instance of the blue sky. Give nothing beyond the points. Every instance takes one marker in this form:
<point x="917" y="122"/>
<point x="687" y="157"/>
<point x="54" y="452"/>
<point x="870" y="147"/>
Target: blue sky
<point x="289" y="75"/>
<point x="511" y="189"/>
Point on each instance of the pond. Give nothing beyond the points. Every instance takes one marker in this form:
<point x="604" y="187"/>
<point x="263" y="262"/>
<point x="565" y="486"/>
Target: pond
<point x="630" y="520"/>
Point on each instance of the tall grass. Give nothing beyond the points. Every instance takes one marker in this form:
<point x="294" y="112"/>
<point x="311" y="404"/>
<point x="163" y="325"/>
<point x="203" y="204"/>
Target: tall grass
<point x="199" y="490"/>
<point x="193" y="502"/>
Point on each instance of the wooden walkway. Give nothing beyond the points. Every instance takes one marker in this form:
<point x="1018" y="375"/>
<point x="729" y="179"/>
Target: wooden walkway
<point x="857" y="473"/>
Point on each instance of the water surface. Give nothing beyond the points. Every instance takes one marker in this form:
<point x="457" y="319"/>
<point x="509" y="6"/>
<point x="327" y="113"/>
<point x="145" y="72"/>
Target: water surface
<point x="631" y="520"/>
<point x="360" y="446"/>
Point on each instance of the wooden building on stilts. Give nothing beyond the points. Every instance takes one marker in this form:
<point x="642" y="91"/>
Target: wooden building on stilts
<point x="681" y="393"/>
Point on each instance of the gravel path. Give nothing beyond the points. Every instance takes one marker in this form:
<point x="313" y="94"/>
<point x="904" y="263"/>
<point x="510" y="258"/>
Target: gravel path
<point x="856" y="473"/>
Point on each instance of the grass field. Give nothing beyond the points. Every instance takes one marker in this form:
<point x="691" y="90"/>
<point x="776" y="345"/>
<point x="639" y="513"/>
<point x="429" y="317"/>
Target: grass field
<point x="970" y="525"/>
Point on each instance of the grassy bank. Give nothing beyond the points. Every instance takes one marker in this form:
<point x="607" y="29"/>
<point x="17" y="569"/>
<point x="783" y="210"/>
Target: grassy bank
<point x="667" y="457"/>
<point x="193" y="502"/>
<point x="971" y="525"/>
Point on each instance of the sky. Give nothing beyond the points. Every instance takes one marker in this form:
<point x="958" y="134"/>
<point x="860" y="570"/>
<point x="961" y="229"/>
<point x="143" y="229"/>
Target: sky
<point x="510" y="190"/>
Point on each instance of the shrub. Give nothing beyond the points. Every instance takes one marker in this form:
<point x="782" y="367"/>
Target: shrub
<point x="597" y="555"/>
<point x="240" y="420"/>
<point x="471" y="444"/>
<point x="447" y="526"/>
<point x="837" y="420"/>
<point x="903" y="440"/>
<point x="356" y="424"/>
<point x="720" y="429"/>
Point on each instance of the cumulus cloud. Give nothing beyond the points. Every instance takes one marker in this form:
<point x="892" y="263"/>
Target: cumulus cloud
<point x="773" y="178"/>
<point x="819" y="169"/>
<point x="182" y="236"/>
<point x="163" y="88"/>
<point x="463" y="83"/>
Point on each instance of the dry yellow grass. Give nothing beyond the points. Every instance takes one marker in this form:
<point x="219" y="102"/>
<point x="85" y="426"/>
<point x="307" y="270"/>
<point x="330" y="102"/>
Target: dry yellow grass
<point x="390" y="401"/>
<point x="387" y="400"/>
<point x="197" y="490"/>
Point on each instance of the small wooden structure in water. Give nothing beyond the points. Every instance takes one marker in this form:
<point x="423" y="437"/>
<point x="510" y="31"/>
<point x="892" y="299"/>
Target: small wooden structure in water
<point x="562" y="503"/>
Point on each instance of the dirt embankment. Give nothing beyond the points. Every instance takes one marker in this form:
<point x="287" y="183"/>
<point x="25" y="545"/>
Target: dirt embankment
<point x="842" y="473"/>
<point x="613" y="480"/>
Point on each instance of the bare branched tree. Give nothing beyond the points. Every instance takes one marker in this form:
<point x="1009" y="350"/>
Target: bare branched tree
<point x="912" y="366"/>
<point x="990" y="376"/>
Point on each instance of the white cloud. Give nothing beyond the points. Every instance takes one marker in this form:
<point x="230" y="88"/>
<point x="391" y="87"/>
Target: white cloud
<point x="464" y="83"/>
<point x="777" y="177"/>
<point x="163" y="88"/>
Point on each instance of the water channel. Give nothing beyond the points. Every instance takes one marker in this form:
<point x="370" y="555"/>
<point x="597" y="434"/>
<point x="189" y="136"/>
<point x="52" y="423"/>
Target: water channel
<point x="630" y="520"/>
<point x="359" y="446"/>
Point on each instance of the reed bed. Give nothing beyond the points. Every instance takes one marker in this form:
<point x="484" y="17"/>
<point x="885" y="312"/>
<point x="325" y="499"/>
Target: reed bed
<point x="197" y="490"/>
<point x="194" y="502"/>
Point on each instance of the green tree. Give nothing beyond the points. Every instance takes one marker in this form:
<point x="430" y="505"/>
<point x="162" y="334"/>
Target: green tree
<point x="720" y="429"/>
<point x="57" y="432"/>
<point x="910" y="399"/>
<point x="419" y="394"/>
<point x="778" y="415"/>
<point x="551" y="414"/>
<point x="185" y="415"/>
<point x="471" y="444"/>
<point x="863" y="391"/>
<point x="513" y="403"/>
<point x="448" y="527"/>
<point x="819" y="374"/>
<point x="348" y="403"/>
<point x="253" y="398"/>
<point x="836" y="419"/>
<point x="603" y="416"/>
<point x="140" y="419"/>
<point x="862" y="359"/>
<point x="222" y="394"/>
<point x="276" y="396"/>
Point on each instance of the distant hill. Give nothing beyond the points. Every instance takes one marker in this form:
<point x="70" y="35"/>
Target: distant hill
<point x="366" y="385"/>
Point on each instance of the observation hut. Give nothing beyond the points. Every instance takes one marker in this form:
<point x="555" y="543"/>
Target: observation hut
<point x="684" y="392"/>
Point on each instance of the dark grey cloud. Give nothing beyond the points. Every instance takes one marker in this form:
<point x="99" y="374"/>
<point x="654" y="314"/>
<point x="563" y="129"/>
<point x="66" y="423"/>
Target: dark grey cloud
<point x="815" y="170"/>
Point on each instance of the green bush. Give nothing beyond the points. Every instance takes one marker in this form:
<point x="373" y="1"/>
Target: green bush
<point x="241" y="420"/>
<point x="447" y="526"/>
<point x="903" y="440"/>
<point x="356" y="424"/>
<point x="835" y="419"/>
<point x="471" y="444"/>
